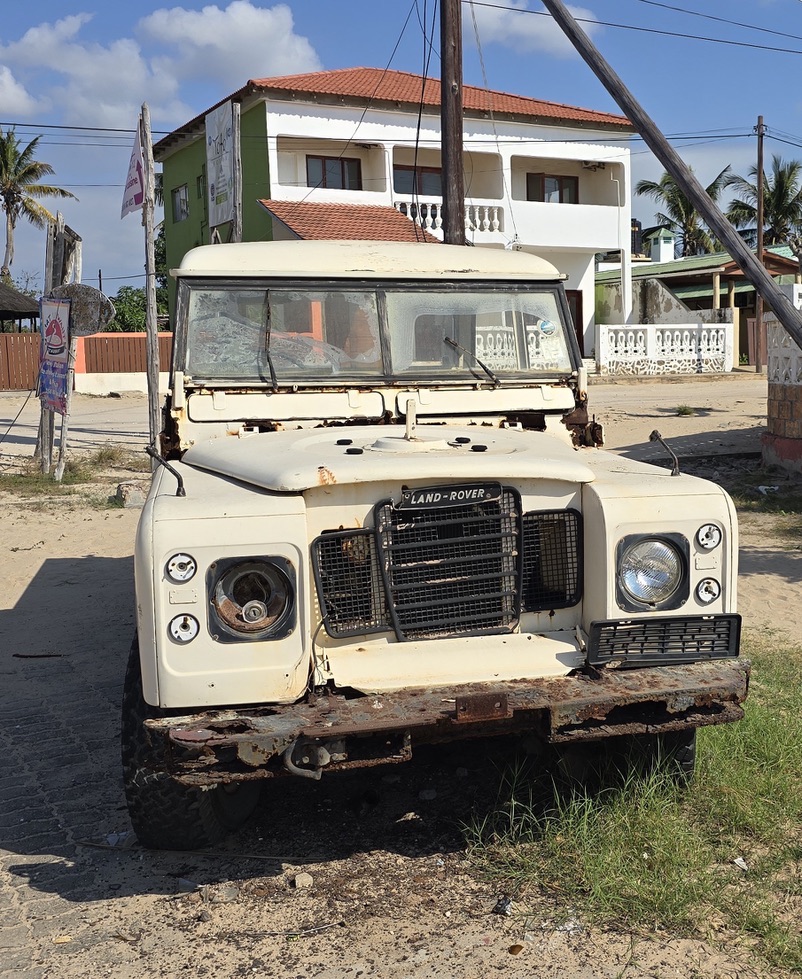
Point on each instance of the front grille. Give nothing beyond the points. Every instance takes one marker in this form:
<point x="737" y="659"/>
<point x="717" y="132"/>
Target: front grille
<point x="452" y="570"/>
<point x="651" y="642"/>
<point x="349" y="583"/>
<point x="432" y="572"/>
<point x="552" y="558"/>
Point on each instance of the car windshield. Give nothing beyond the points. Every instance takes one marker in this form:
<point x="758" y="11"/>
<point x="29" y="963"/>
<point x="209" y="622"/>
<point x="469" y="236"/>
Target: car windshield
<point x="245" y="332"/>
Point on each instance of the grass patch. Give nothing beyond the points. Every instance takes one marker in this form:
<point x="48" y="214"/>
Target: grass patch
<point x="685" y="410"/>
<point x="645" y="852"/>
<point x="764" y="490"/>
<point x="32" y="482"/>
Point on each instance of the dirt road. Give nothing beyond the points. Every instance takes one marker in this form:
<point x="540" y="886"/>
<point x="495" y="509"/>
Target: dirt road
<point x="388" y="891"/>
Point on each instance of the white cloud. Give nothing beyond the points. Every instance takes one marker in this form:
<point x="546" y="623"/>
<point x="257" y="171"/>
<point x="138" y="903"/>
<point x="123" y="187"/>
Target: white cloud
<point x="14" y="98"/>
<point x="229" y="45"/>
<point x="104" y="84"/>
<point x="509" y="27"/>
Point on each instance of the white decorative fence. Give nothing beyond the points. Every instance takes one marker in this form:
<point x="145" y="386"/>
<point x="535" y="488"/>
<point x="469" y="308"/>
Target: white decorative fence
<point x="478" y="217"/>
<point x="648" y="349"/>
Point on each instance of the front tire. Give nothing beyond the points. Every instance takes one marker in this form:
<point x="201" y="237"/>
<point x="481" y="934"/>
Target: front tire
<point x="672" y="754"/>
<point x="165" y="814"/>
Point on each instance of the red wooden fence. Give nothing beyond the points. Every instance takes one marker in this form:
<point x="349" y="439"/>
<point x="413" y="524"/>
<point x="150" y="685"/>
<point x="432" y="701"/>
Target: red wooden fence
<point x="103" y="353"/>
<point x="19" y="361"/>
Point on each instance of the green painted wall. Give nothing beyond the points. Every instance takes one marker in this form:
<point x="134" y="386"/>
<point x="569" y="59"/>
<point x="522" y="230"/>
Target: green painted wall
<point x="187" y="167"/>
<point x="256" y="222"/>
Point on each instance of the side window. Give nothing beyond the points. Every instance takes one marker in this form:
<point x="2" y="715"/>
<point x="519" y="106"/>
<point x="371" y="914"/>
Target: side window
<point x="552" y="188"/>
<point x="180" y="202"/>
<point x="334" y="172"/>
<point x="426" y="181"/>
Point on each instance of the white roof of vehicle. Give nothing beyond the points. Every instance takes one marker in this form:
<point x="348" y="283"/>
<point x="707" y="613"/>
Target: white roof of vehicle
<point x="363" y="260"/>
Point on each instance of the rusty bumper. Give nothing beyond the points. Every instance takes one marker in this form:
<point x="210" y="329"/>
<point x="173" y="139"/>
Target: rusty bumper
<point x="330" y="731"/>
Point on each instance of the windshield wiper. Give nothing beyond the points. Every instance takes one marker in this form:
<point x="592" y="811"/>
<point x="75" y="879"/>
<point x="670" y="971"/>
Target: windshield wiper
<point x="457" y="346"/>
<point x="268" y="333"/>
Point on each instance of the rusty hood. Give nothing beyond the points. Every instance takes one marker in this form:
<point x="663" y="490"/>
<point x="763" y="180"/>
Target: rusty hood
<point x="292" y="462"/>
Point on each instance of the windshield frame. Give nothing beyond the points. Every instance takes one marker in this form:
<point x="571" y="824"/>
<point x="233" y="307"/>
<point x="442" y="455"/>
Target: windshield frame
<point x="385" y="377"/>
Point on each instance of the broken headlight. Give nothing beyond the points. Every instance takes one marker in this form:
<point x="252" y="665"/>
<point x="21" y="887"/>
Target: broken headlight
<point x="251" y="598"/>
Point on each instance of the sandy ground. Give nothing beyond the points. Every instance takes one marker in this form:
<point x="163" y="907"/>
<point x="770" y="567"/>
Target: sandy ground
<point x="389" y="891"/>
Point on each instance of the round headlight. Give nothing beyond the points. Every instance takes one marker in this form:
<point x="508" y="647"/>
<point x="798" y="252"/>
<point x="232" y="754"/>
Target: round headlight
<point x="253" y="599"/>
<point x="651" y="571"/>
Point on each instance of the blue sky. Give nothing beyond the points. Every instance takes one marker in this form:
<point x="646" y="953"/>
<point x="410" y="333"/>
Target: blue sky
<point x="73" y="70"/>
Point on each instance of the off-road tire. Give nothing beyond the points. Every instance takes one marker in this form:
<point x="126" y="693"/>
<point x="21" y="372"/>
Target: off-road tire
<point x="166" y="815"/>
<point x="672" y="753"/>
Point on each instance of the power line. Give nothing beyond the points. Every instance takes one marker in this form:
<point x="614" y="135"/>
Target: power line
<point x="720" y="20"/>
<point x="642" y="30"/>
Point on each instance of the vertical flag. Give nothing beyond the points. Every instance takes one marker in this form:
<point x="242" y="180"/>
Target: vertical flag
<point x="134" y="193"/>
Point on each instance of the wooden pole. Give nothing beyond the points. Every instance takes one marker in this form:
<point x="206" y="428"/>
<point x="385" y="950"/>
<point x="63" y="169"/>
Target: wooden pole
<point x="760" y="130"/>
<point x="451" y="122"/>
<point x="65" y="421"/>
<point x="784" y="309"/>
<point x="152" y="336"/>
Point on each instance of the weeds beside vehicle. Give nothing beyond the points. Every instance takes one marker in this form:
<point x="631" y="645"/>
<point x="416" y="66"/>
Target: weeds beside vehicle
<point x="643" y="852"/>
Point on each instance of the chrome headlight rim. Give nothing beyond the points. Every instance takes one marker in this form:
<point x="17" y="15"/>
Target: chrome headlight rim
<point x="251" y="598"/>
<point x="668" y="563"/>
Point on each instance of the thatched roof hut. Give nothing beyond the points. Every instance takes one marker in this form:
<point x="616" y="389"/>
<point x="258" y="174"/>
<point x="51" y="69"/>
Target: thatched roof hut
<point x="16" y="306"/>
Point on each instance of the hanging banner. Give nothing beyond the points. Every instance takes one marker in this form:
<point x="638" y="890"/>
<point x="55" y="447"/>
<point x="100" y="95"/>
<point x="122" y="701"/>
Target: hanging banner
<point x="53" y="364"/>
<point x="134" y="194"/>
<point x="220" y="164"/>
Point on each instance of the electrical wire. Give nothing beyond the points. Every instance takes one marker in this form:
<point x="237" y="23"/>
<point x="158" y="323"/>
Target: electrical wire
<point x="642" y="30"/>
<point x="507" y="194"/>
<point x="15" y="419"/>
<point x="721" y="20"/>
<point x="368" y="103"/>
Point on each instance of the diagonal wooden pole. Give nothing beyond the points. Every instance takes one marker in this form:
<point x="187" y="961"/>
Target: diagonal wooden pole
<point x="767" y="289"/>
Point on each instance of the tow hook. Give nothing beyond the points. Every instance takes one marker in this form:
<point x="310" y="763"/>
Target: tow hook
<point x="306" y="753"/>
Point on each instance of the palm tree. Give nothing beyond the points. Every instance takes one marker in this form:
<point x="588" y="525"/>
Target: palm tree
<point x="782" y="203"/>
<point x="679" y="214"/>
<point x="20" y="184"/>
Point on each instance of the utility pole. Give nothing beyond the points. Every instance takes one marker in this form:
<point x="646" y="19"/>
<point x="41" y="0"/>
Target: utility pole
<point x="451" y="122"/>
<point x="760" y="129"/>
<point x="786" y="313"/>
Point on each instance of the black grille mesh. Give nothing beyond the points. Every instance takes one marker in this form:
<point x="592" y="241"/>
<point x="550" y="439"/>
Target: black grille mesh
<point x="452" y="570"/>
<point x="552" y="558"/>
<point x="448" y="571"/>
<point x="349" y="583"/>
<point x="664" y="640"/>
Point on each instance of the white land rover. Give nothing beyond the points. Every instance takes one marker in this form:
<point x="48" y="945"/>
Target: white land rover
<point x="383" y="519"/>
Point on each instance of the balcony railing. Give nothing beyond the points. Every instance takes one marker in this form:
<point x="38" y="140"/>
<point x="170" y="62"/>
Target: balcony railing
<point x="478" y="217"/>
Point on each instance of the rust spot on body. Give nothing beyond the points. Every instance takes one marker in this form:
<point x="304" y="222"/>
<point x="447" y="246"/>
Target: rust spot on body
<point x="325" y="476"/>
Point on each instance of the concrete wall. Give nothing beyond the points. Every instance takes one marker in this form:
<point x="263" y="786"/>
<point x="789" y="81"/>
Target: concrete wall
<point x="652" y="303"/>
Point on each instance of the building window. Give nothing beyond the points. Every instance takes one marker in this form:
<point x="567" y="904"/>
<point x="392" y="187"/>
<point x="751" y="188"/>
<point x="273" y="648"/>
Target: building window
<point x="180" y="196"/>
<point x="552" y="188"/>
<point x="334" y="172"/>
<point x="201" y="185"/>
<point x="425" y="181"/>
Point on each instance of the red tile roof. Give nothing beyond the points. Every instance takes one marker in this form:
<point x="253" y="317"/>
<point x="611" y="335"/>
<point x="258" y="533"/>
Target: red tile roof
<point x="404" y="87"/>
<point x="366" y="222"/>
<point x="365" y="85"/>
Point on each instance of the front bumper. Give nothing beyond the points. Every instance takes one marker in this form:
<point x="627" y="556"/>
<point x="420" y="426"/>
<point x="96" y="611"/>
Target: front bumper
<point x="329" y="731"/>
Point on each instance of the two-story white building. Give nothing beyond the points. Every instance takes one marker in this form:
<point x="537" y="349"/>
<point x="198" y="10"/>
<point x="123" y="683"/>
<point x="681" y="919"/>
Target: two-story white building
<point x="539" y="176"/>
